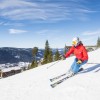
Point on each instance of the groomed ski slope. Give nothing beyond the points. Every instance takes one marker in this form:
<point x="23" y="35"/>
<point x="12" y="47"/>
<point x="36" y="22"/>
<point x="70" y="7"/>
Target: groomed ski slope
<point x="35" y="85"/>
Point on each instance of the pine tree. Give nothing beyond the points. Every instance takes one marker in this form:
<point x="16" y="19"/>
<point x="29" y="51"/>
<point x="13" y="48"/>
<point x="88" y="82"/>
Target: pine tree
<point x="57" y="55"/>
<point x="50" y="56"/>
<point x="65" y="49"/>
<point x="34" y="64"/>
<point x="98" y="42"/>
<point x="34" y="53"/>
<point x="47" y="54"/>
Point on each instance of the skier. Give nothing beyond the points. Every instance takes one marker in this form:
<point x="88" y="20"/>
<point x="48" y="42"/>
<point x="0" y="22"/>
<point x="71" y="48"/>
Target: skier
<point x="81" y="55"/>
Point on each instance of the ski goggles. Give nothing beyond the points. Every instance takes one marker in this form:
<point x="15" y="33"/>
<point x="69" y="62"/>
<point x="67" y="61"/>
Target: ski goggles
<point x="74" y="42"/>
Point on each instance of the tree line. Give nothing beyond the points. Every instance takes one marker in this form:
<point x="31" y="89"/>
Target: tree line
<point x="48" y="55"/>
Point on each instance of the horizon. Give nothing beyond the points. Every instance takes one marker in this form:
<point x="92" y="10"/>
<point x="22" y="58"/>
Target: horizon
<point x="28" y="23"/>
<point x="50" y="47"/>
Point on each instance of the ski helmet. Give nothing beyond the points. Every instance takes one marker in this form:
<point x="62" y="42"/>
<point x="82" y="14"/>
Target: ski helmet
<point x="75" y="41"/>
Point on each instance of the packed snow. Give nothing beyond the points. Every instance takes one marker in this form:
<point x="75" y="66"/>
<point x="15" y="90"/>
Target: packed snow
<point x="34" y="84"/>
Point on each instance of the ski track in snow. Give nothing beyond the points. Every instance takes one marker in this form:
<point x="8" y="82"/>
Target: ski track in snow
<point x="35" y="85"/>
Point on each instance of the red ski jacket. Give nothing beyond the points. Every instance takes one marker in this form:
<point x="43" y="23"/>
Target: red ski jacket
<point x="80" y="52"/>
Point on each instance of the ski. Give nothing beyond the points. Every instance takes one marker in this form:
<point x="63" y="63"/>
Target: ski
<point x="60" y="81"/>
<point x="57" y="77"/>
<point x="63" y="79"/>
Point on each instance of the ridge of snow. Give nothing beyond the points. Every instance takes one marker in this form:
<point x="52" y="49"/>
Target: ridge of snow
<point x="35" y="85"/>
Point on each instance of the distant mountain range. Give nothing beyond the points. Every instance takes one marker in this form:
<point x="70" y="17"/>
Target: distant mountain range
<point x="15" y="55"/>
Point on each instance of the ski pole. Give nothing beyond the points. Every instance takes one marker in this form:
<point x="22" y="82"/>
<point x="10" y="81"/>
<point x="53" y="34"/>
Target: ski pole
<point x="53" y="64"/>
<point x="92" y="63"/>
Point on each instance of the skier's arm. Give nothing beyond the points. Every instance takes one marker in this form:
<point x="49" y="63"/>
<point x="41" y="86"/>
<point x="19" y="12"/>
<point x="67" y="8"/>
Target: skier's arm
<point x="71" y="50"/>
<point x="85" y="55"/>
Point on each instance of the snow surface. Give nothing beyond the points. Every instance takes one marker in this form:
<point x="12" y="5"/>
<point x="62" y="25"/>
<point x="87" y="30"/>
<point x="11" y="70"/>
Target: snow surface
<point x="35" y="85"/>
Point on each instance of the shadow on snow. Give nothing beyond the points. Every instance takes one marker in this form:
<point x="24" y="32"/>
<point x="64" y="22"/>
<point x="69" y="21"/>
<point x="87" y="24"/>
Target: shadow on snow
<point x="95" y="67"/>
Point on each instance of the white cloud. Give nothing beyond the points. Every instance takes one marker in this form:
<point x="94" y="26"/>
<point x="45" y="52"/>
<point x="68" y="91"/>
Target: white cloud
<point x="42" y="32"/>
<point x="90" y="37"/>
<point x="1" y="23"/>
<point x="25" y="10"/>
<point x="16" y="31"/>
<point x="47" y="31"/>
<point x="89" y="33"/>
<point x="89" y="40"/>
<point x="11" y="23"/>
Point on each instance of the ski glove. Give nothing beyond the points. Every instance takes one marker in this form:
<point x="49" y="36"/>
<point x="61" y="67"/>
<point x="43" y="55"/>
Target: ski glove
<point x="64" y="57"/>
<point x="79" y="61"/>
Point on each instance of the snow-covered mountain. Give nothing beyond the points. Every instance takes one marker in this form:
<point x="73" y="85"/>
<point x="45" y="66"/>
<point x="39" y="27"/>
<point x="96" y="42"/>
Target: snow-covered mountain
<point x="35" y="85"/>
<point x="15" y="55"/>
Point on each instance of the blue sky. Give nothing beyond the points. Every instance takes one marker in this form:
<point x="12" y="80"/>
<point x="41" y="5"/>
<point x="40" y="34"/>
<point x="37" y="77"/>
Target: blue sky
<point x="29" y="23"/>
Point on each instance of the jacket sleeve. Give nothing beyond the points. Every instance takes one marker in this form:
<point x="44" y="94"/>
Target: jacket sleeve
<point x="71" y="50"/>
<point x="85" y="55"/>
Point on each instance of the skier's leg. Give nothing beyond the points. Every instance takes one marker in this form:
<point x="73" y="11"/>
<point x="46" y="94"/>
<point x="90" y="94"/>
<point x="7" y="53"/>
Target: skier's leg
<point x="77" y="66"/>
<point x="71" y="70"/>
<point x="73" y="64"/>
